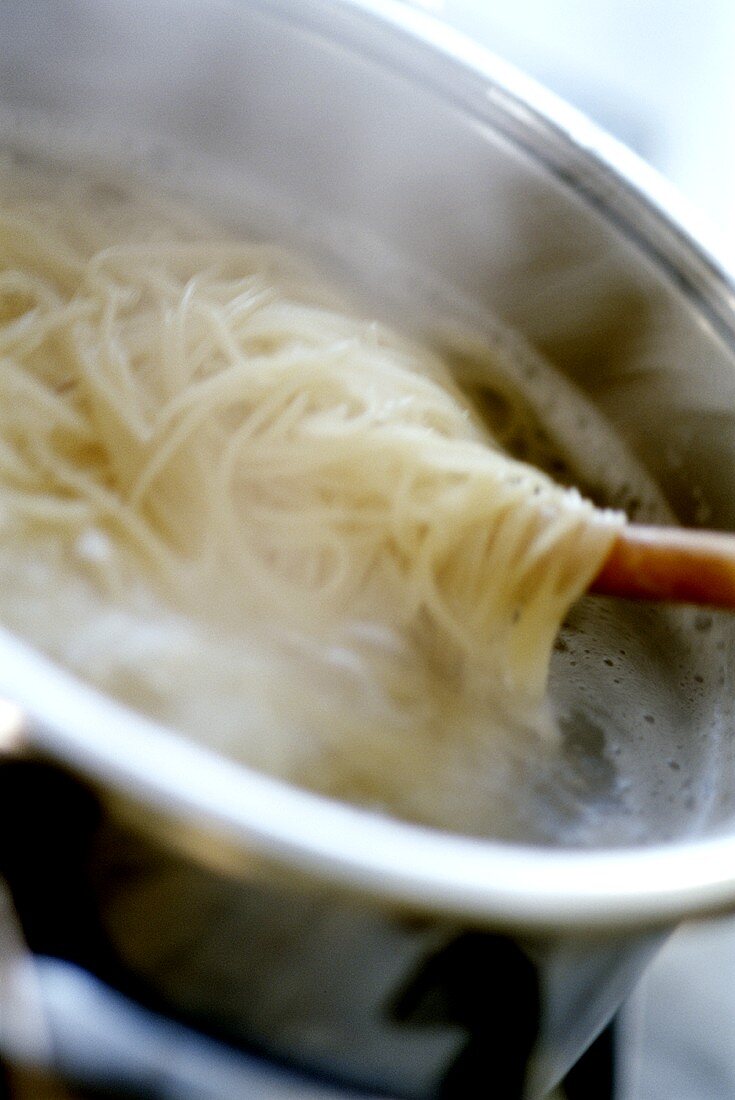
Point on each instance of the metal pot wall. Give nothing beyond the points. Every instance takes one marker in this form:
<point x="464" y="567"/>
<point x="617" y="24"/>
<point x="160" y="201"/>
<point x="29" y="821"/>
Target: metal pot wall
<point x="380" y="955"/>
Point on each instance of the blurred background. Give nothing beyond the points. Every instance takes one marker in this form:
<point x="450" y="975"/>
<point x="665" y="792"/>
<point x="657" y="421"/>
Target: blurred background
<point x="659" y="75"/>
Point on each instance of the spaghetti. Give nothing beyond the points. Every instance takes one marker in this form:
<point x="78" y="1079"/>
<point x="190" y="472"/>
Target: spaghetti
<point x="196" y="433"/>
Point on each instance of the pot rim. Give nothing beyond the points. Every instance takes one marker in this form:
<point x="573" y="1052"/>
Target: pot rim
<point x="233" y="817"/>
<point x="238" y="820"/>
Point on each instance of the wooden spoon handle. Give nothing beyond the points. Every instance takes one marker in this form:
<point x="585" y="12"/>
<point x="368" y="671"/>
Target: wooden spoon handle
<point x="668" y="563"/>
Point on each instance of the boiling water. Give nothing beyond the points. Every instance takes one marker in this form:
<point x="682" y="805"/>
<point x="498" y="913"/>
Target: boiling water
<point x="640" y="693"/>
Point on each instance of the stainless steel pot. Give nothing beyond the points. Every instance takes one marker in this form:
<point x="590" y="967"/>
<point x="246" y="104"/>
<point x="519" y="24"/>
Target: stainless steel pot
<point x="379" y="139"/>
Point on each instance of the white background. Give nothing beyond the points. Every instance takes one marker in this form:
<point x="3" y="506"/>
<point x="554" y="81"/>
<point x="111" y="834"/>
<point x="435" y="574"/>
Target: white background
<point x="658" y="74"/>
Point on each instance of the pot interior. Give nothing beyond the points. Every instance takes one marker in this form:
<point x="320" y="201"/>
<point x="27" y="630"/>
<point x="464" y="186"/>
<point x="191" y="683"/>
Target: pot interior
<point x="448" y="203"/>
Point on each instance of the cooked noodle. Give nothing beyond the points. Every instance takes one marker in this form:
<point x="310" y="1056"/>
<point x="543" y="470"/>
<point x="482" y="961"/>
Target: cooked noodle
<point x="196" y="432"/>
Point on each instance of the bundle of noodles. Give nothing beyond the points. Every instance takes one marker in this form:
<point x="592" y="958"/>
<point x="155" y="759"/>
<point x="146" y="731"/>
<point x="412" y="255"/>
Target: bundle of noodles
<point x="195" y="431"/>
